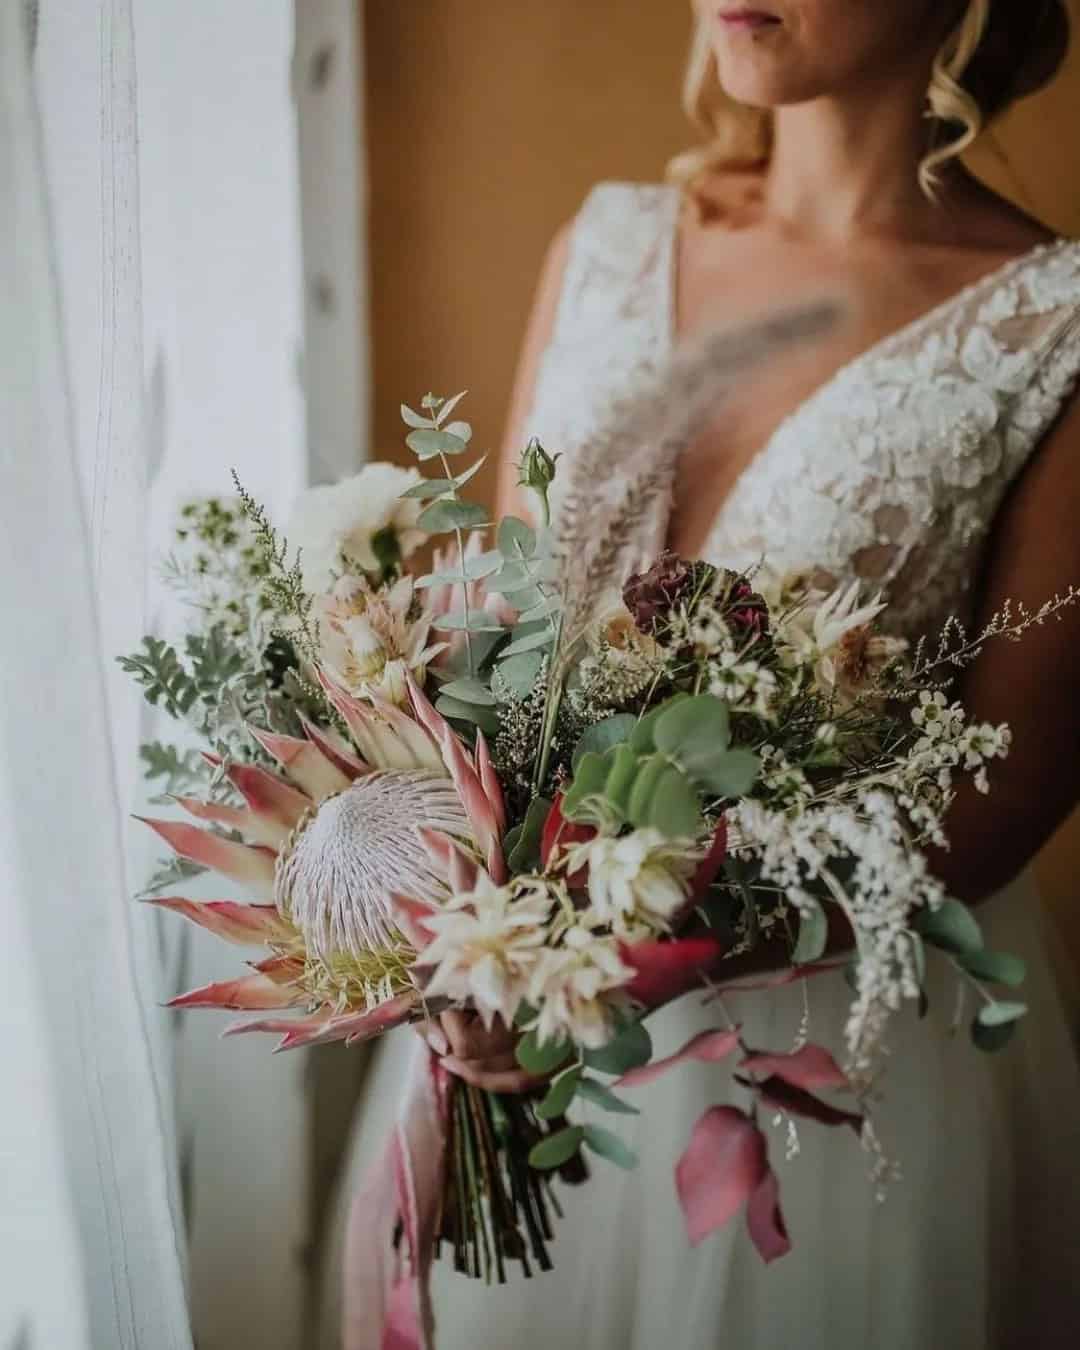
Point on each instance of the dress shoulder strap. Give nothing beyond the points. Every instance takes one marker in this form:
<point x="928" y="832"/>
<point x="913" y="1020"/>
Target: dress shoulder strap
<point x="620" y="267"/>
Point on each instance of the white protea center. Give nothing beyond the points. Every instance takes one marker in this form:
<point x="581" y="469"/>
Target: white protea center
<point x="359" y="849"/>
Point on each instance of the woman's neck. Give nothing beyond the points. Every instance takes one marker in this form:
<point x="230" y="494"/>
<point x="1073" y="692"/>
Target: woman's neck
<point x="843" y="169"/>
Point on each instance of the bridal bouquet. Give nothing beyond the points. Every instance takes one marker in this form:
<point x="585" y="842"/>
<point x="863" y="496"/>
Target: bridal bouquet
<point x="447" y="791"/>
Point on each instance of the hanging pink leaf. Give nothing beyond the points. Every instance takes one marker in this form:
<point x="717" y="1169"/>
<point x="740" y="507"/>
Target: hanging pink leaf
<point x="460" y="870"/>
<point x="489" y="780"/>
<point x="811" y="1067"/>
<point x="708" y="1047"/>
<point x="798" y="1102"/>
<point x="249" y="993"/>
<point x="723" y="1165"/>
<point x="280" y="969"/>
<point x="709" y="867"/>
<point x="245" y="925"/>
<point x="241" y="862"/>
<point x="765" y="1221"/>
<point x="666" y="970"/>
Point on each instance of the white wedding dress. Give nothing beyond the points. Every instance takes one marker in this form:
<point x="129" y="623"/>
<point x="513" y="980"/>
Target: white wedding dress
<point x="893" y="472"/>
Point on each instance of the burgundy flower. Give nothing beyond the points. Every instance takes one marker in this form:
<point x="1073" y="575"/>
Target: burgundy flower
<point x="651" y="596"/>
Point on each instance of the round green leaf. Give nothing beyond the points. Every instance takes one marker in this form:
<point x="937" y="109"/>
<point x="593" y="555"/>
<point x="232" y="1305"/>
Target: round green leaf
<point x="556" y="1148"/>
<point x="691" y="726"/>
<point x="560" y="1094"/>
<point x="520" y="672"/>
<point x="951" y="927"/>
<point x="426" y="444"/>
<point x="516" y="540"/>
<point x="991" y="1039"/>
<point x="631" y="1048"/>
<point x="813" y="935"/>
<point x="610" y="1146"/>
<point x="604" y="1098"/>
<point x="531" y="642"/>
<point x="604" y="735"/>
<point x="729" y="773"/>
<point x="541" y="1059"/>
<point x="997" y="967"/>
<point x="674" y="809"/>
<point x="1000" y="1014"/>
<point x="446" y="515"/>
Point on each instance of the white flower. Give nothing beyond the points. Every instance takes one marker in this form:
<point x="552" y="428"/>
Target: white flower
<point x="638" y="880"/>
<point x="743" y="684"/>
<point x="334" y="526"/>
<point x="369" y="638"/>
<point x="488" y="943"/>
<point x="569" y="985"/>
<point x="832" y="636"/>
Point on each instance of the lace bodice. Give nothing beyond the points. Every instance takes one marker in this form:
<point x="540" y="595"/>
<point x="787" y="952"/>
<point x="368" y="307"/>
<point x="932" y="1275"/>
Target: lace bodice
<point x="892" y="472"/>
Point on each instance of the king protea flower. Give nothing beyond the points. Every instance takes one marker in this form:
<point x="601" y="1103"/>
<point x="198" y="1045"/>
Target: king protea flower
<point x="337" y="851"/>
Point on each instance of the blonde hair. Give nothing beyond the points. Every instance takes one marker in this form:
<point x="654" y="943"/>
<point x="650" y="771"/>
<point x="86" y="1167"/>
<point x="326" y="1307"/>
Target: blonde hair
<point x="741" y="137"/>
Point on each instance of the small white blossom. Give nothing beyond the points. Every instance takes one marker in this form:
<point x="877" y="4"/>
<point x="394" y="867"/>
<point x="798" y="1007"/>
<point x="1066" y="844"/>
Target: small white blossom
<point x="638" y="880"/>
<point x="575" y="988"/>
<point x="744" y="684"/>
<point x="488" y="943"/>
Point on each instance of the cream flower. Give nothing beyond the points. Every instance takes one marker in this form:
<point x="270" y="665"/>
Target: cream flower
<point x="574" y="987"/>
<point x="636" y="881"/>
<point x="370" y="639"/>
<point x="334" y="525"/>
<point x="488" y="943"/>
<point x="831" y="636"/>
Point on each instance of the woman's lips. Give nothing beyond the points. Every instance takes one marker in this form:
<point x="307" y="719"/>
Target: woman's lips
<point x="747" y="19"/>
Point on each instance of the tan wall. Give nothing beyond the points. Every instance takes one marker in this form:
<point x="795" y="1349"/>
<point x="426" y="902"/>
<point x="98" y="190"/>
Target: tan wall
<point x="489" y="120"/>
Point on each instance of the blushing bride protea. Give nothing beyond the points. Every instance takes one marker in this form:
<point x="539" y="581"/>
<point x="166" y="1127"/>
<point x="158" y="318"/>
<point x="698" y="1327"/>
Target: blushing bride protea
<point x="336" y="853"/>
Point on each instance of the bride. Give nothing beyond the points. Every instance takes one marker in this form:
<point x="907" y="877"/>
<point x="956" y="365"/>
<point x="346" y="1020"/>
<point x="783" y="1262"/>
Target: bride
<point x="929" y="446"/>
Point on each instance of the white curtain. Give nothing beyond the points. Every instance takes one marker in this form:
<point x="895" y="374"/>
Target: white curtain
<point x="90" y="1253"/>
<point x="151" y="315"/>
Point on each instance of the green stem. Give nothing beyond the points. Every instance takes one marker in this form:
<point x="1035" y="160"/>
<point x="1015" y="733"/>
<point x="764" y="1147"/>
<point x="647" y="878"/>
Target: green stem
<point x="455" y="496"/>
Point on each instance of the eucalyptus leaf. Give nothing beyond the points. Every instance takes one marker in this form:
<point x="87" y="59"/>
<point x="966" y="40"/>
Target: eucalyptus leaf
<point x="469" y="691"/>
<point x="484" y="718"/>
<point x="445" y="515"/>
<point x="462" y="430"/>
<point x="413" y="419"/>
<point x="604" y="735"/>
<point x="993" y="1038"/>
<point x="608" y="1145"/>
<point x="673" y="806"/>
<point x="530" y="643"/>
<point x="951" y="926"/>
<point x="642" y="739"/>
<point x="623" y="770"/>
<point x="427" y="444"/>
<point x="631" y="1048"/>
<point x="543" y="609"/>
<point x="483" y="565"/>
<point x="476" y="621"/>
<point x="560" y="1094"/>
<point x="693" y="724"/>
<point x="520" y="672"/>
<point x="997" y="967"/>
<point x="541" y="1059"/>
<point x="516" y="539"/>
<point x="589" y="780"/>
<point x="732" y="773"/>
<point x="429" y="487"/>
<point x="515" y="576"/>
<point x="556" y="1148"/>
<point x="813" y="934"/>
<point x="447" y="406"/>
<point x="999" y="1014"/>
<point x="592" y="1091"/>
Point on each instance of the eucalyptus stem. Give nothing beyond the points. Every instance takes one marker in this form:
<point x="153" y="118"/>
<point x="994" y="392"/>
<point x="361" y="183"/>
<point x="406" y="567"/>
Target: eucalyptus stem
<point x="460" y="538"/>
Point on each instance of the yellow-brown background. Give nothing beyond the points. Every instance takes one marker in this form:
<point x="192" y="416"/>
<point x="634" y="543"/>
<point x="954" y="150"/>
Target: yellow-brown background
<point x="488" y="120"/>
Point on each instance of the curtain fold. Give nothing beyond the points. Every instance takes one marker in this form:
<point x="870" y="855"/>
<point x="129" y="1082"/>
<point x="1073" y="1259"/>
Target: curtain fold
<point x="91" y="1254"/>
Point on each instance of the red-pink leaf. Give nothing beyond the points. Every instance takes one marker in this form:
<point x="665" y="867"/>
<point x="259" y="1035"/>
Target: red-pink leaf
<point x="723" y="1165"/>
<point x="810" y="1067"/>
<point x="335" y="749"/>
<point x="798" y="1102"/>
<point x="765" y="1221"/>
<point x="708" y="1047"/>
<point x="558" y="832"/>
<point x="666" y="970"/>
<point x="709" y="867"/>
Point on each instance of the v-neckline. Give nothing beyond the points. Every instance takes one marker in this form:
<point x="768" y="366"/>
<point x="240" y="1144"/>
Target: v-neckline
<point x="990" y="282"/>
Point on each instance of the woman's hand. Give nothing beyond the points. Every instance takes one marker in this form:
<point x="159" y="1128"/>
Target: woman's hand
<point x="481" y="1057"/>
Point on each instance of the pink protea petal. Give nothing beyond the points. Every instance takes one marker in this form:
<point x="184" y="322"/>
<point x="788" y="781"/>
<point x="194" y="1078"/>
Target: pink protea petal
<point x="478" y="808"/>
<point x="387" y="737"/>
<point x="324" y="1026"/>
<point x="268" y="795"/>
<point x="248" y="993"/>
<point x="410" y="915"/>
<point x="809" y="1068"/>
<point x="489" y="781"/>
<point x="336" y="751"/>
<point x="765" y="1221"/>
<point x="666" y="970"/>
<point x="241" y="862"/>
<point x="724" y="1164"/>
<point x="303" y="763"/>
<point x="250" y="825"/>
<point x="244" y="925"/>
<point x="708" y="1047"/>
<point x="461" y="872"/>
<point x="281" y="969"/>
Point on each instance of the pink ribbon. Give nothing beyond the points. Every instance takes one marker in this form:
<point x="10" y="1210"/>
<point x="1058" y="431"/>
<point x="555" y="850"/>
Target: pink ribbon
<point x="387" y="1302"/>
